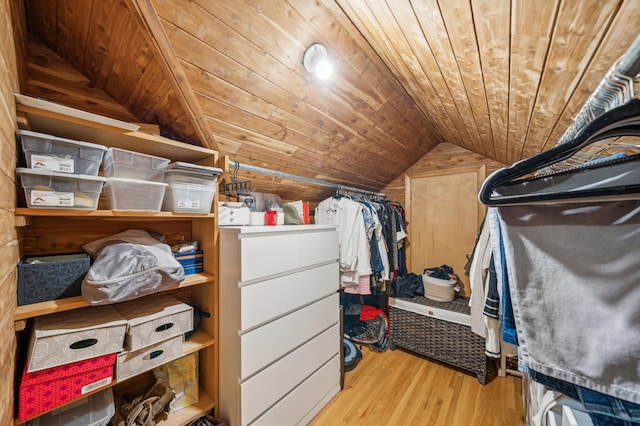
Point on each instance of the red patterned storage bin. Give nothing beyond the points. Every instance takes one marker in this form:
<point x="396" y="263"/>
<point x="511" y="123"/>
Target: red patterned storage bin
<point x="44" y="390"/>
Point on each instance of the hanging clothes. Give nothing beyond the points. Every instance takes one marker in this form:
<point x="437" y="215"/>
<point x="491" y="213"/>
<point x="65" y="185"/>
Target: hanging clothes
<point x="566" y="254"/>
<point x="371" y="234"/>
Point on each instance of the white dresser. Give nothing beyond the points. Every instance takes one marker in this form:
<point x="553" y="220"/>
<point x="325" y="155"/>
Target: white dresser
<point x="279" y="323"/>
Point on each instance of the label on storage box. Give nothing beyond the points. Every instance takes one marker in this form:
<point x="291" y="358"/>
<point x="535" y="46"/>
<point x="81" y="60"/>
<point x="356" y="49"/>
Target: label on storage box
<point x="43" y="162"/>
<point x="50" y="198"/>
<point x="95" y="385"/>
<point x="185" y="203"/>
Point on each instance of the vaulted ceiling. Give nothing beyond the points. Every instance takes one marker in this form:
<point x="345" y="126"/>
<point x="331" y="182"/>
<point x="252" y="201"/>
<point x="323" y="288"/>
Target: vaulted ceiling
<point x="501" y="78"/>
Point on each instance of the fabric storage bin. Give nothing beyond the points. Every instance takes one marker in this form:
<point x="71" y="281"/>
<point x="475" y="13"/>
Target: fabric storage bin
<point x="438" y="330"/>
<point x="131" y="363"/>
<point x="94" y="410"/>
<point x="439" y="290"/>
<point x="47" y="189"/>
<point x="129" y="194"/>
<point x="125" y="164"/>
<point x="52" y="277"/>
<point x="55" y="154"/>
<point x="44" y="390"/>
<point x="153" y="319"/>
<point x="70" y="336"/>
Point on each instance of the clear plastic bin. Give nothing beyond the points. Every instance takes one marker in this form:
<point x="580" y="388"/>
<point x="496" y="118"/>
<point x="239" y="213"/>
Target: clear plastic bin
<point x="46" y="189"/>
<point x="93" y="410"/>
<point x="188" y="198"/>
<point x="120" y="163"/>
<point x="130" y="194"/>
<point x="46" y="152"/>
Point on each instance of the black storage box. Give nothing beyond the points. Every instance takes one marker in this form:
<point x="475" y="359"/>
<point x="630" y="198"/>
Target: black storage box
<point x="51" y="277"/>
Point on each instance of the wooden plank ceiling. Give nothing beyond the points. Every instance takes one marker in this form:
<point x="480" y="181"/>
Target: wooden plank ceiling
<point x="501" y="78"/>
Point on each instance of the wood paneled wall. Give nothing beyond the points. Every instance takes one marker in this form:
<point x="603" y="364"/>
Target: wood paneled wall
<point x="10" y="11"/>
<point x="51" y="77"/>
<point x="444" y="156"/>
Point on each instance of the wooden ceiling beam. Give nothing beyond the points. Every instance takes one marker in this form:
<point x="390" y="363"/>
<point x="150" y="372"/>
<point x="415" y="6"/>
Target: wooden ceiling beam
<point x="146" y="16"/>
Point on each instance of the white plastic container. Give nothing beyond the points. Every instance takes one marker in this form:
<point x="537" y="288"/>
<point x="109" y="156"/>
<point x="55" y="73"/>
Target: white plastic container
<point x="120" y="163"/>
<point x="46" y="189"/>
<point x="47" y="152"/>
<point x="93" y="410"/>
<point x="188" y="173"/>
<point x="130" y="194"/>
<point x="188" y="198"/>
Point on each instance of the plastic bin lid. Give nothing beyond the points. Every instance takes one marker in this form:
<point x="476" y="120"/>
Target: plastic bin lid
<point x="49" y="173"/>
<point x="63" y="140"/>
<point x="94" y="410"/>
<point x="190" y="167"/>
<point x="134" y="181"/>
<point x="136" y="153"/>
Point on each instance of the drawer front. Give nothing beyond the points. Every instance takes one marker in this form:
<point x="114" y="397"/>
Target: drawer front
<point x="267" y="387"/>
<point x="269" y="254"/>
<point x="262" y="346"/>
<point x="285" y="294"/>
<point x="301" y="405"/>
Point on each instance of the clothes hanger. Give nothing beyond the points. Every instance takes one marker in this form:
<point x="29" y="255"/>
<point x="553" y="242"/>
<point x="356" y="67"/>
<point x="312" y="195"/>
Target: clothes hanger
<point x="621" y="121"/>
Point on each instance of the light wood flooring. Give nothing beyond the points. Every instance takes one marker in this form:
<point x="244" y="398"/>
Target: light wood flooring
<point x="399" y="388"/>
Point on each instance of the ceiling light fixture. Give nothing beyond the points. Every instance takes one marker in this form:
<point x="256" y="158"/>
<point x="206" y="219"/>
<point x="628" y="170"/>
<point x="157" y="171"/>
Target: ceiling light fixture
<point x="315" y="61"/>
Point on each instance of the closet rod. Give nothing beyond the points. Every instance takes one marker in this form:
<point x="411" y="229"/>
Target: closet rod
<point x="276" y="173"/>
<point x="626" y="68"/>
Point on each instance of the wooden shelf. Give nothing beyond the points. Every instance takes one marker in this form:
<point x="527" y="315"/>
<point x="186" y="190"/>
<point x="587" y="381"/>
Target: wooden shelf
<point x="61" y="305"/>
<point x="63" y="125"/>
<point x="190" y="413"/>
<point x="199" y="340"/>
<point x="49" y="230"/>
<point x="126" y="214"/>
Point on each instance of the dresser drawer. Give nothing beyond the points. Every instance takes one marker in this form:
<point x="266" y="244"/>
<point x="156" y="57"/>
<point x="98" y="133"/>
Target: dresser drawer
<point x="285" y="294"/>
<point x="305" y="401"/>
<point x="271" y="384"/>
<point x="269" y="254"/>
<point x="262" y="346"/>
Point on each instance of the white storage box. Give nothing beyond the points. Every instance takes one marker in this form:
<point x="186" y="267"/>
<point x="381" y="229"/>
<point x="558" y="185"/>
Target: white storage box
<point x="94" y="410"/>
<point x="188" y="198"/>
<point x="70" y="336"/>
<point x="153" y="319"/>
<point x="55" y="154"/>
<point x="129" y="194"/>
<point x="47" y="189"/>
<point x="125" y="164"/>
<point x="131" y="363"/>
<point x="233" y="215"/>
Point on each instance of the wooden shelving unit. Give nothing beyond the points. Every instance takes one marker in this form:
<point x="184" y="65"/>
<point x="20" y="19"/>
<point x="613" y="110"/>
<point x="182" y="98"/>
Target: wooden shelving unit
<point x="56" y="231"/>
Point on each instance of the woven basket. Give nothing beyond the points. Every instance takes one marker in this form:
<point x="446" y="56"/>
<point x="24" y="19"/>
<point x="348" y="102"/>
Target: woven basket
<point x="434" y="338"/>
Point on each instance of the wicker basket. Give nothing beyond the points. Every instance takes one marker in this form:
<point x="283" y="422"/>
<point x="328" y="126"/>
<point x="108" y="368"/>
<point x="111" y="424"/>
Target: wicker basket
<point x="438" y="339"/>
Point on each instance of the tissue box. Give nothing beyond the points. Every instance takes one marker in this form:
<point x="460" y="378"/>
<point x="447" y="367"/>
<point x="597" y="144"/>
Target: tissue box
<point x="44" y="390"/>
